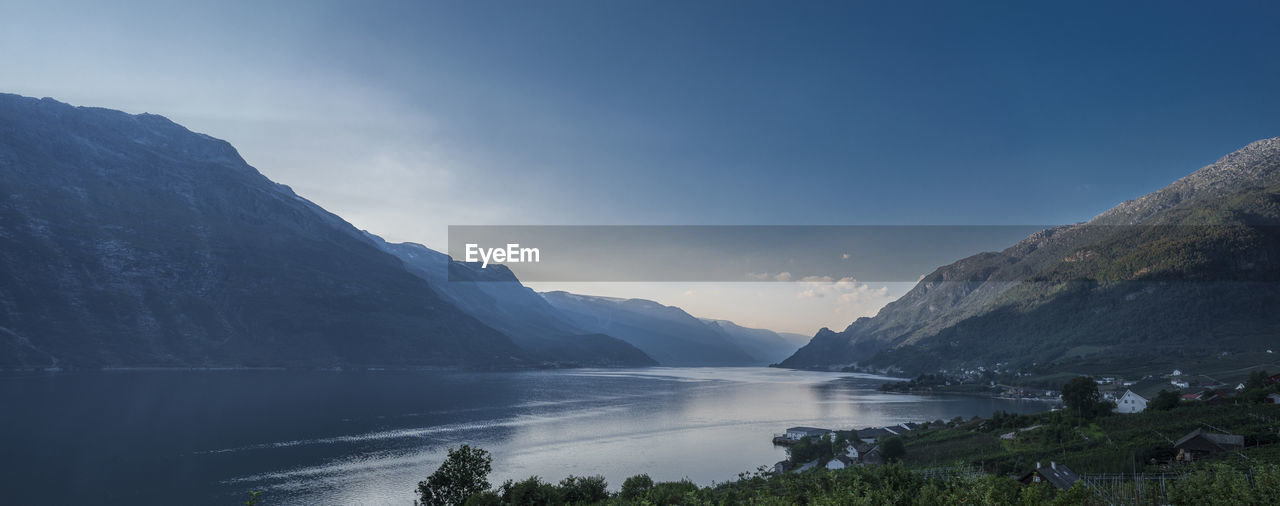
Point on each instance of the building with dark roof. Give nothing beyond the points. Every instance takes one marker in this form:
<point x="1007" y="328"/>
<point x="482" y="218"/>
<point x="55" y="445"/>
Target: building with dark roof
<point x="1199" y="444"/>
<point x="798" y="433"/>
<point x="1058" y="475"/>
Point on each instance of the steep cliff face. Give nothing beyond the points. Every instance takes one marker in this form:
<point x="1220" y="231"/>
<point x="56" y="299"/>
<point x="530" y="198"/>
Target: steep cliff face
<point x="127" y="240"/>
<point x="1093" y="286"/>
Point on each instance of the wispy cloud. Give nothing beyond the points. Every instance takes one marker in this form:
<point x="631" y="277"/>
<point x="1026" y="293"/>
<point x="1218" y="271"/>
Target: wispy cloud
<point x="765" y="276"/>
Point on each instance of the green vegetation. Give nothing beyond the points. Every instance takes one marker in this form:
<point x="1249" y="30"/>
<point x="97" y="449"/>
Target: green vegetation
<point x="1140" y="442"/>
<point x="894" y="449"/>
<point x="877" y="485"/>
<point x="1223" y="485"/>
<point x="1082" y="398"/>
<point x="1164" y="401"/>
<point x="463" y="474"/>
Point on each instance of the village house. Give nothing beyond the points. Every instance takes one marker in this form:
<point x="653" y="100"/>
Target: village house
<point x="870" y="454"/>
<point x="841" y="462"/>
<point x="1131" y="402"/>
<point x="1199" y="444"/>
<point x="1058" y="475"/>
<point x="870" y="435"/>
<point x="1136" y="397"/>
<point x="798" y="433"/>
<point x="1273" y="398"/>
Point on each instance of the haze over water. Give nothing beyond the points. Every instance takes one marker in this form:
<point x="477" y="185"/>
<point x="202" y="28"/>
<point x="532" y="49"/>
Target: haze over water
<point x="208" y="437"/>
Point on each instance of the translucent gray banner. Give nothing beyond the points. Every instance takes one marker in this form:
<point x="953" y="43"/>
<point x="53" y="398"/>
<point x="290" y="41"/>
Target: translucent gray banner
<point x="1230" y="252"/>
<point x="725" y="253"/>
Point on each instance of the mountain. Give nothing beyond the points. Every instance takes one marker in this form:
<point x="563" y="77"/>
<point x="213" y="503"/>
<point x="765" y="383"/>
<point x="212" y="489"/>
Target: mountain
<point x="495" y="296"/>
<point x="128" y="240"/>
<point x="764" y="345"/>
<point x="1189" y="270"/>
<point x="666" y="333"/>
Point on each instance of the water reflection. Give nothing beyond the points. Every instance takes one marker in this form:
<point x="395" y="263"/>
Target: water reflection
<point x="367" y="438"/>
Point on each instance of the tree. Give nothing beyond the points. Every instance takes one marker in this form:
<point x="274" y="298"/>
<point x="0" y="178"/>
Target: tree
<point x="531" y="490"/>
<point x="465" y="472"/>
<point x="1257" y="379"/>
<point x="583" y="490"/>
<point x="811" y="448"/>
<point x="1165" y="401"/>
<point x="893" y="449"/>
<point x="1081" y="396"/>
<point x="636" y="487"/>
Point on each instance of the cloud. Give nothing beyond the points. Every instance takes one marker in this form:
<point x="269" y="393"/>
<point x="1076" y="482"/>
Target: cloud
<point x="850" y="294"/>
<point x="764" y="276"/>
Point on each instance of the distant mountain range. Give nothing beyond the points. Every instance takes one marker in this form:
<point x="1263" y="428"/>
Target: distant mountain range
<point x="1189" y="270"/>
<point x="669" y="334"/>
<point x="496" y="297"/>
<point x="130" y="241"/>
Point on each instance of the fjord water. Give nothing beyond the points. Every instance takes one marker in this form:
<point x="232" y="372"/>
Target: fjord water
<point x="208" y="437"/>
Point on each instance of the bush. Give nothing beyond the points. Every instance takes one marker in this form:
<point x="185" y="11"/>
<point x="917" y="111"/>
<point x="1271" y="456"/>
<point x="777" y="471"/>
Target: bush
<point x="531" y="491"/>
<point x="1218" y="484"/>
<point x="671" y="492"/>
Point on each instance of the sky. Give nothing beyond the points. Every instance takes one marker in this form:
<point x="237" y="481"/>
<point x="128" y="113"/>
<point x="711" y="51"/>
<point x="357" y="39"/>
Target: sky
<point x="407" y="117"/>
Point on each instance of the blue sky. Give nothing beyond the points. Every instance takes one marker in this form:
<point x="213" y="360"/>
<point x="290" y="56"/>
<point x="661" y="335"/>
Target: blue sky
<point x="409" y="117"/>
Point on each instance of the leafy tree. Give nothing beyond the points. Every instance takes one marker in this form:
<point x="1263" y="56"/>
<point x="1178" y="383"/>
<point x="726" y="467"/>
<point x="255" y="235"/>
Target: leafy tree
<point x="1257" y="379"/>
<point x="532" y="491"/>
<point x="893" y="449"/>
<point x="463" y="473"/>
<point x="486" y="498"/>
<point x="1165" y="401"/>
<point x="1081" y="396"/>
<point x="809" y="448"/>
<point x="636" y="487"/>
<point x="583" y="489"/>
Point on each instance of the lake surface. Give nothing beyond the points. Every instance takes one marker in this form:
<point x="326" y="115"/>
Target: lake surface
<point x="208" y="437"/>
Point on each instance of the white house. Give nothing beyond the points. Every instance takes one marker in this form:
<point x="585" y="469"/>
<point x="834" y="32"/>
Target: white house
<point x="1131" y="402"/>
<point x="798" y="433"/>
<point x="851" y="451"/>
<point x="841" y="462"/>
<point x="1176" y="373"/>
<point x="1180" y="384"/>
